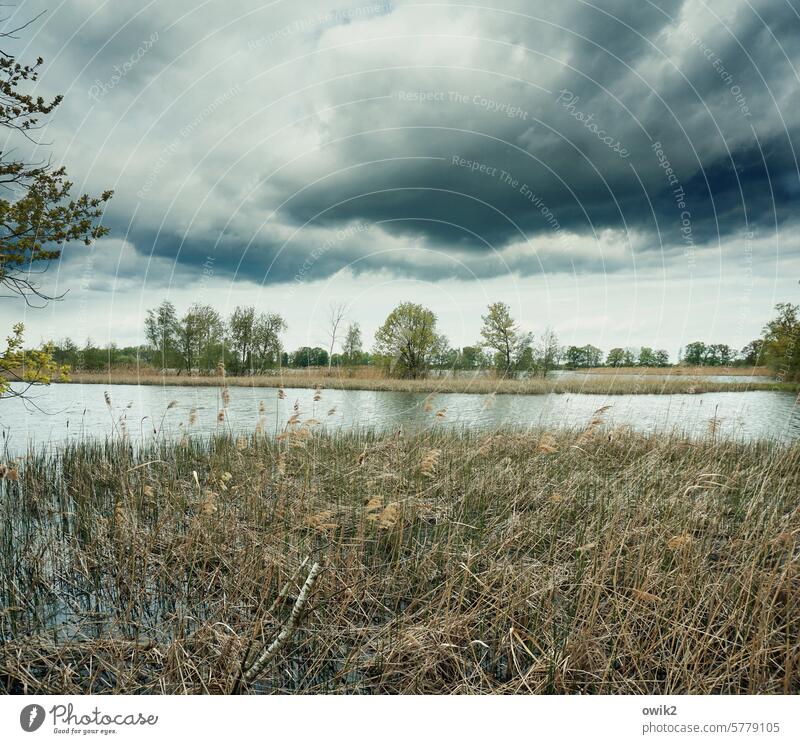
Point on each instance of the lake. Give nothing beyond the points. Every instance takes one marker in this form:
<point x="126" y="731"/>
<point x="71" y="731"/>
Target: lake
<point x="70" y="412"/>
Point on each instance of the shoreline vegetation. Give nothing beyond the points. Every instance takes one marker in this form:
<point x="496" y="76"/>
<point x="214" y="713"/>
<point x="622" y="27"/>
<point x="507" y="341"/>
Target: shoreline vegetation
<point x="410" y="354"/>
<point x="587" y="561"/>
<point x="593" y="382"/>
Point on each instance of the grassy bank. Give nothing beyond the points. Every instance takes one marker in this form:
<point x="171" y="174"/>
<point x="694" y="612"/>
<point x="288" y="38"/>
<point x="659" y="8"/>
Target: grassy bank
<point x="587" y="383"/>
<point x="682" y="371"/>
<point x="587" y="562"/>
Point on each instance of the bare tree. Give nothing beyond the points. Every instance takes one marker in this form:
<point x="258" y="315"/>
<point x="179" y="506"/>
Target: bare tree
<point x="336" y="313"/>
<point x="547" y="352"/>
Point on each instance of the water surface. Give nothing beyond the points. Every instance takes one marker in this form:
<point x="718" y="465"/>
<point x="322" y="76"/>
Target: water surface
<point x="61" y="413"/>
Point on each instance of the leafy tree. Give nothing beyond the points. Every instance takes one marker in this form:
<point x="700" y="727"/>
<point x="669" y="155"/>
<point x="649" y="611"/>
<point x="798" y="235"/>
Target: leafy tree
<point x="267" y="347"/>
<point x="37" y="218"/>
<point x="548" y="352"/>
<point x="408" y="340"/>
<point x="573" y="357"/>
<point x="307" y="356"/>
<point x="583" y="356"/>
<point x="255" y="339"/>
<point x="616" y="357"/>
<point x="781" y="349"/>
<point x="189" y="336"/>
<point x="352" y="348"/>
<point x="593" y="355"/>
<point x="647" y="357"/>
<point x="161" y="331"/>
<point x="92" y="358"/>
<point x="695" y="354"/>
<point x="719" y="355"/>
<point x="27" y="367"/>
<point x="240" y="332"/>
<point x="752" y="353"/>
<point x="501" y="333"/>
<point x="526" y="360"/>
<point x="472" y="357"/>
<point x="661" y="358"/>
<point x="67" y="352"/>
<point x="209" y="330"/>
<point x="447" y="358"/>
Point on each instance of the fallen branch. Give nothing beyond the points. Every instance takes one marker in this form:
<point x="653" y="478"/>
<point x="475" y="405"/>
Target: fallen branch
<point x="271" y="651"/>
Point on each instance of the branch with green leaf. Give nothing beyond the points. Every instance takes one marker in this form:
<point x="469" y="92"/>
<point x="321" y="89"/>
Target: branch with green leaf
<point x="38" y="217"/>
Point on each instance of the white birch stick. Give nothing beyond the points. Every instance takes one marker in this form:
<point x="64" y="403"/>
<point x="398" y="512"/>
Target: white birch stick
<point x="270" y="652"/>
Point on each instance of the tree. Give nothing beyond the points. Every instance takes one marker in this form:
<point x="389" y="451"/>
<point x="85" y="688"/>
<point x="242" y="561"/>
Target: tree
<point x="446" y="358"/>
<point x="335" y="317"/>
<point x="408" y="340"/>
<point x="240" y="332"/>
<point x="66" y="352"/>
<point x="161" y="331"/>
<point x="781" y="348"/>
<point x="209" y="330"/>
<point x="661" y="358"/>
<point x="695" y="354"/>
<point x="36" y="219"/>
<point x="526" y="360"/>
<point x="307" y="356"/>
<point x="502" y="334"/>
<point x="39" y="218"/>
<point x="573" y="357"/>
<point x="472" y="357"/>
<point x="189" y="336"/>
<point x="646" y="357"/>
<point x="719" y="355"/>
<point x="26" y="367"/>
<point x="267" y="347"/>
<point x="352" y="348"/>
<point x="752" y="353"/>
<point x="616" y="357"/>
<point x="583" y="356"/>
<point x="592" y="355"/>
<point x="547" y="352"/>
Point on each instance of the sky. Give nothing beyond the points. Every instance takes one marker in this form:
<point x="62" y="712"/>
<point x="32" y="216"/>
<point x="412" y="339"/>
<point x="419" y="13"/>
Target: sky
<point x="625" y="173"/>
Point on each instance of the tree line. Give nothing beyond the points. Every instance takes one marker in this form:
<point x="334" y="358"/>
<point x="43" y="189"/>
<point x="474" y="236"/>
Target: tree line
<point x="407" y="344"/>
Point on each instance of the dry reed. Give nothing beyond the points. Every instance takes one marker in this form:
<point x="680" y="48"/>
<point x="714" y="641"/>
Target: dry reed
<point x="601" y="384"/>
<point x="506" y="562"/>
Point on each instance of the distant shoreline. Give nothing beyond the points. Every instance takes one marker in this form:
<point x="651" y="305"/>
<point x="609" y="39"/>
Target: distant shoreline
<point x="590" y="383"/>
<point x="683" y="371"/>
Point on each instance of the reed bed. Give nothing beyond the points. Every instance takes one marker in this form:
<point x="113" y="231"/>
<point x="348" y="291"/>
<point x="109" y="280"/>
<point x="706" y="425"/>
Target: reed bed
<point x="479" y="385"/>
<point x="590" y="561"/>
<point x="685" y="371"/>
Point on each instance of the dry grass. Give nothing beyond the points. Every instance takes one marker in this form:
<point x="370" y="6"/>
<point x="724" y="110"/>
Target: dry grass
<point x="682" y="371"/>
<point x="593" y="561"/>
<point x="586" y="383"/>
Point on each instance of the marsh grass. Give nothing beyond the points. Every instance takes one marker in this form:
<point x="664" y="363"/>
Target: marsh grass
<point x="592" y="383"/>
<point x="592" y="561"/>
<point x="685" y="371"/>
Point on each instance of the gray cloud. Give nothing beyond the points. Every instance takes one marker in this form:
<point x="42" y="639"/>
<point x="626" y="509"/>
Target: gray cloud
<point x="253" y="134"/>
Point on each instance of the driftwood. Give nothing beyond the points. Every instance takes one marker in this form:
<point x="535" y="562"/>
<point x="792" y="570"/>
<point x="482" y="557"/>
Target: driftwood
<point x="271" y="651"/>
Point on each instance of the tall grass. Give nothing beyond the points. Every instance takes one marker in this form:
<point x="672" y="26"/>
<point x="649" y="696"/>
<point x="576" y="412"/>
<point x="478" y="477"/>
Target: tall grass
<point x="685" y="370"/>
<point x="600" y="384"/>
<point x="593" y="561"/>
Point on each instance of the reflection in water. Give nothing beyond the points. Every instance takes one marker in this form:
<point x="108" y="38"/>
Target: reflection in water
<point x="71" y="412"/>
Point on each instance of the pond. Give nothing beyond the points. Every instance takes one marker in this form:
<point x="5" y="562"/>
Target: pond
<point x="70" y="412"/>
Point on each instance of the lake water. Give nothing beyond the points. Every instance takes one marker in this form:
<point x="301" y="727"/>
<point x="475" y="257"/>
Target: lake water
<point x="61" y="413"/>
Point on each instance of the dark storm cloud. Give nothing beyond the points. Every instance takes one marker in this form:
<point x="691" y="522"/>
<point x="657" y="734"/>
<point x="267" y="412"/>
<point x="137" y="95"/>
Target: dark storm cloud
<point x="457" y="132"/>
